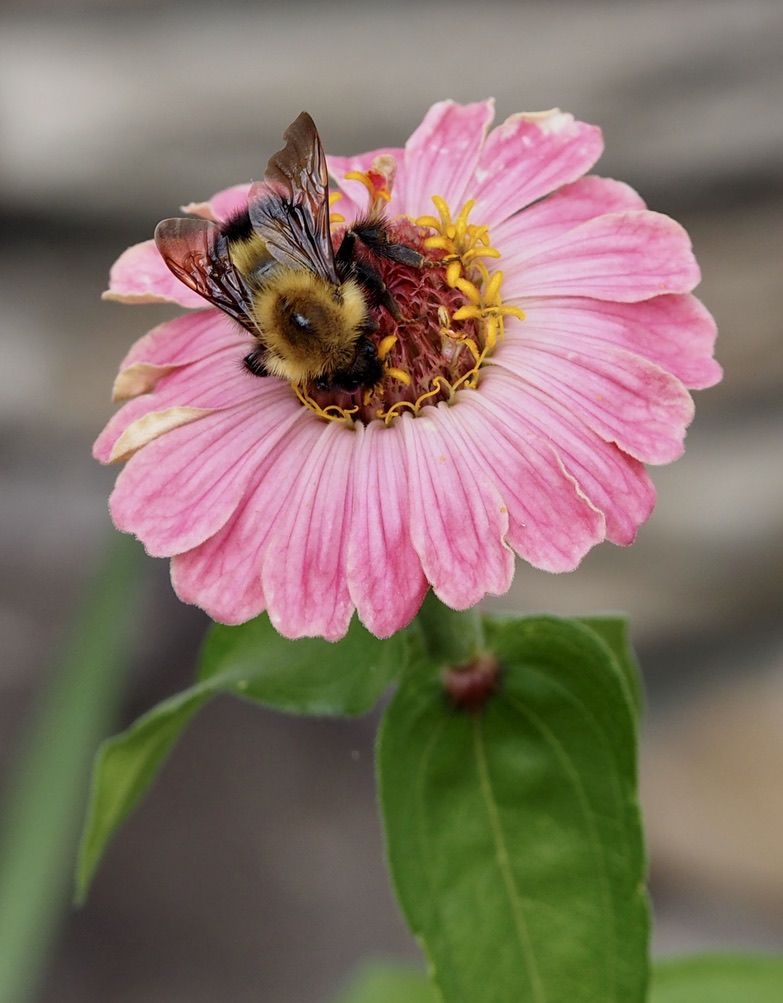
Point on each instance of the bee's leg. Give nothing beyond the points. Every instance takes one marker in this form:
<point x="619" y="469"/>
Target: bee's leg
<point x="346" y="249"/>
<point x="374" y="234"/>
<point x="372" y="283"/>
<point x="254" y="363"/>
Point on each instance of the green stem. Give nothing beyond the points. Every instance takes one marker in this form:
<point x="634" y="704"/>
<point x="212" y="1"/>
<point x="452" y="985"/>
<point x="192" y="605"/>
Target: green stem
<point x="45" y="802"/>
<point x="451" y="637"/>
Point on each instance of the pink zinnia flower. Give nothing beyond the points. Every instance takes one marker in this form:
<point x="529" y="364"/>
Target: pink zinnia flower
<point x="542" y="358"/>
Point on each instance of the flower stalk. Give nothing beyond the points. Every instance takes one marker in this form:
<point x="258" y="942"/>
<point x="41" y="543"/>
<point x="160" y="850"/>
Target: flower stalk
<point x="452" y="638"/>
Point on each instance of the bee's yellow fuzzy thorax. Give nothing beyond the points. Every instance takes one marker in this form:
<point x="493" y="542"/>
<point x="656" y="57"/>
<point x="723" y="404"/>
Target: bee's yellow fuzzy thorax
<point x="310" y="326"/>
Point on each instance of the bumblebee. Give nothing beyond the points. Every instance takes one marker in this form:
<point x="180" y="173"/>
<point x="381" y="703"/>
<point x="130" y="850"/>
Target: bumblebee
<point x="273" y="268"/>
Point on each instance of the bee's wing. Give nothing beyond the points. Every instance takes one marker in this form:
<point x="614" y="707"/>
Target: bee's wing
<point x="197" y="253"/>
<point x="290" y="207"/>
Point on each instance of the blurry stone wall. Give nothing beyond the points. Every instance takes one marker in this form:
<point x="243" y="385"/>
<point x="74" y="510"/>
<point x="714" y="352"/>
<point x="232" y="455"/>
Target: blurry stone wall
<point x="254" y="871"/>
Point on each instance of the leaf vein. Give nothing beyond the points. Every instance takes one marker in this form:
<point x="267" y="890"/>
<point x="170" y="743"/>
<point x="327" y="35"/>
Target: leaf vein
<point x="504" y="862"/>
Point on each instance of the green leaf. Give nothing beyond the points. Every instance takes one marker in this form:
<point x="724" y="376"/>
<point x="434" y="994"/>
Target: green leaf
<point x="253" y="661"/>
<point x="385" y="983"/>
<point x="513" y="834"/>
<point x="125" y="766"/>
<point x="613" y="630"/>
<point x="719" y="979"/>
<point x="309" y="676"/>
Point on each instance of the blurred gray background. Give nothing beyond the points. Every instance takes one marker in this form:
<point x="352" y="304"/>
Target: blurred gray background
<point x="254" y="870"/>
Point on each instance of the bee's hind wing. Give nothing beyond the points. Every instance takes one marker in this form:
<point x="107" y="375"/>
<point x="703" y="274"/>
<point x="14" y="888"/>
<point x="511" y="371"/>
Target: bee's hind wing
<point x="197" y="253"/>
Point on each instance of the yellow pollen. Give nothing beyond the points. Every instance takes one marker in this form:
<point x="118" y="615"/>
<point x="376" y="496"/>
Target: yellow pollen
<point x="443" y="211"/>
<point x="492" y="330"/>
<point x="398" y="374"/>
<point x="470" y="290"/>
<point x="438" y="244"/>
<point x="453" y="272"/>
<point x="492" y="291"/>
<point x="479" y="252"/>
<point x="468" y="313"/>
<point x="386" y="345"/>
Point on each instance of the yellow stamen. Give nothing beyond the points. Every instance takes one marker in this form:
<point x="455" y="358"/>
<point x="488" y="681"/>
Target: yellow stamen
<point x="473" y="321"/>
<point x="438" y="244"/>
<point x="470" y="290"/>
<point x="395" y="409"/>
<point x="443" y="212"/>
<point x="491" y="330"/>
<point x="386" y="345"/>
<point x="462" y="220"/>
<point x="492" y="291"/>
<point x="376" y="192"/>
<point x="398" y="374"/>
<point x="334" y="217"/>
<point x="453" y="272"/>
<point x="474" y="349"/>
<point x="330" y="413"/>
<point x="476" y="253"/>
<point x="467" y="246"/>
<point x="468" y="313"/>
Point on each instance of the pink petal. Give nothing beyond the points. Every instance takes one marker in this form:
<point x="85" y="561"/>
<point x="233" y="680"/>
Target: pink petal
<point x="140" y="275"/>
<point x="621" y="396"/>
<point x="385" y="578"/>
<point x="215" y="382"/>
<point x="626" y="256"/>
<point x="304" y="573"/>
<point x="529" y="156"/>
<point x="223" y="574"/>
<point x="152" y="426"/>
<point x="137" y="379"/>
<point x="262" y="505"/>
<point x="675" y="332"/>
<point x="442" y="154"/>
<point x="562" y="211"/>
<point x="186" y="339"/>
<point x="221" y="206"/>
<point x="354" y="194"/>
<point x="615" y="484"/>
<point x="458" y="520"/>
<point x="550" y="522"/>
<point x="180" y="489"/>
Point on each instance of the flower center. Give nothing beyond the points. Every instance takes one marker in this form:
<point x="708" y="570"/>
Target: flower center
<point x="451" y="316"/>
